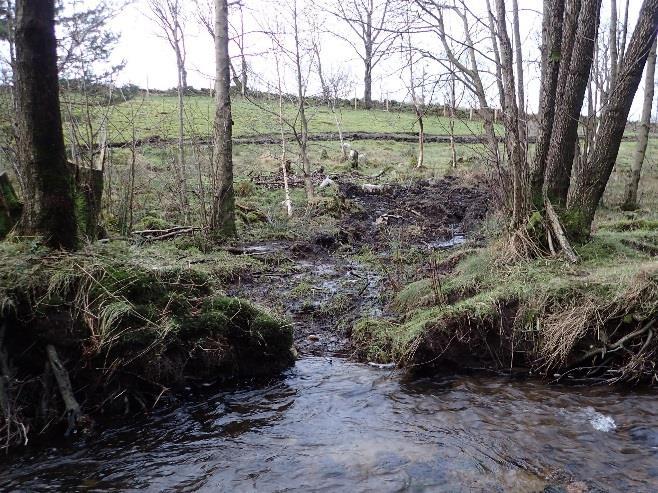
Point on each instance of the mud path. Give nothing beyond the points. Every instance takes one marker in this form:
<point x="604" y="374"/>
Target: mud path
<point x="325" y="284"/>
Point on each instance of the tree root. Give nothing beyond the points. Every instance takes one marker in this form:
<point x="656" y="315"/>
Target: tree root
<point x="13" y="428"/>
<point x="72" y="408"/>
<point x="615" y="347"/>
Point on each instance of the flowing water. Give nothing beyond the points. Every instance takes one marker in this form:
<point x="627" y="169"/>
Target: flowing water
<point x="332" y="425"/>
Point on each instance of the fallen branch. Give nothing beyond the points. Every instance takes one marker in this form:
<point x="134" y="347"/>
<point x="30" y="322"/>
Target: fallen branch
<point x="163" y="234"/>
<point x="72" y="408"/>
<point x="556" y="226"/>
<point x="617" y="345"/>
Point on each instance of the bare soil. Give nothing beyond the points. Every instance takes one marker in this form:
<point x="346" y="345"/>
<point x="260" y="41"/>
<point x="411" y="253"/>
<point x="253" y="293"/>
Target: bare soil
<point x="324" y="284"/>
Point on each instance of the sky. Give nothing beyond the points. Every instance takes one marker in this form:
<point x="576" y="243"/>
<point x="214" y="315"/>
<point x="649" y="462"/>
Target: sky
<point x="150" y="62"/>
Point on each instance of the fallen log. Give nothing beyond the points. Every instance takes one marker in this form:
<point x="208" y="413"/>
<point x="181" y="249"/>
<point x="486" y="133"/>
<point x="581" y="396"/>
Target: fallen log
<point x="164" y="234"/>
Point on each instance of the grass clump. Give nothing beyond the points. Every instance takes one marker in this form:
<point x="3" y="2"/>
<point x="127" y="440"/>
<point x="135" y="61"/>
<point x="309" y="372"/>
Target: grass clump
<point x="594" y="319"/>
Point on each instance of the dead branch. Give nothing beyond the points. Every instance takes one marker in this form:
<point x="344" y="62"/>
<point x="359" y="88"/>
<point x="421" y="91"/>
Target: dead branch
<point x="557" y="229"/>
<point x="71" y="406"/>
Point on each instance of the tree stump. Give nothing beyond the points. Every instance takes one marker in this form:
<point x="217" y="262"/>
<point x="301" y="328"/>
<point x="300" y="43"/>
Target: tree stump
<point x="10" y="206"/>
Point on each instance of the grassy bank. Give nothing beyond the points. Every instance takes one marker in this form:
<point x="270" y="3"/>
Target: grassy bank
<point x="158" y="115"/>
<point x="129" y="325"/>
<point x="476" y="309"/>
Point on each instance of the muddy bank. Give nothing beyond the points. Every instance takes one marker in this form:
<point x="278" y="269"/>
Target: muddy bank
<point x="325" y="284"/>
<point x="432" y="214"/>
<point x="478" y="311"/>
<point x="99" y="332"/>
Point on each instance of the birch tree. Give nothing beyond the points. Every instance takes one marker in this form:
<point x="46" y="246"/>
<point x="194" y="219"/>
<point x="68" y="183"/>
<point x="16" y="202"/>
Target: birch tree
<point x="168" y="15"/>
<point x="630" y="193"/>
<point x="222" y="220"/>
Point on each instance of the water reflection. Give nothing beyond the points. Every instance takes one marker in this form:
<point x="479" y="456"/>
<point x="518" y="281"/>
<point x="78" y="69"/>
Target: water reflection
<point x="339" y="426"/>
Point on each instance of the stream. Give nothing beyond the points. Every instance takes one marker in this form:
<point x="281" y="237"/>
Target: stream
<point x="332" y="425"/>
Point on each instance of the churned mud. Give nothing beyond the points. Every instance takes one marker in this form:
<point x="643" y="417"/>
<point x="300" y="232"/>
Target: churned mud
<point x="324" y="284"/>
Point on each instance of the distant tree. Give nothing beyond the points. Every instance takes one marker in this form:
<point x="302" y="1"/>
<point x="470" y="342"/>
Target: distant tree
<point x="374" y="23"/>
<point x="223" y="204"/>
<point x="168" y="15"/>
<point x="630" y="193"/>
<point x="49" y="180"/>
<point x="460" y="57"/>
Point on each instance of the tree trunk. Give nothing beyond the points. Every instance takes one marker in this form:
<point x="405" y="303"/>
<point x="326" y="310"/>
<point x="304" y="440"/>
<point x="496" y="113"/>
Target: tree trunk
<point x="624" y="33"/>
<point x="367" y="84"/>
<point x="496" y="52"/>
<point x="630" y="194"/>
<point x="590" y="184"/>
<point x="421" y="140"/>
<point x="223" y="208"/>
<point x="570" y="99"/>
<point x="303" y="140"/>
<point x="368" y="45"/>
<point x="243" y="58"/>
<point x="519" y="202"/>
<point x="519" y="77"/>
<point x="49" y="208"/>
<point x="614" y="55"/>
<point x="551" y="63"/>
<point x="181" y="174"/>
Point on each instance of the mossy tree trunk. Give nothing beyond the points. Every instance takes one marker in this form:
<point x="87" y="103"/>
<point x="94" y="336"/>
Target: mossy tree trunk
<point x="49" y="208"/>
<point x="569" y="102"/>
<point x="223" y="209"/>
<point x="10" y="207"/>
<point x="551" y="62"/>
<point x="589" y="185"/>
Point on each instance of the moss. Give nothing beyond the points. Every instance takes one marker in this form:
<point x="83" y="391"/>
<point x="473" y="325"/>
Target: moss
<point x="244" y="188"/>
<point x="258" y="339"/>
<point x="575" y="224"/>
<point x="630" y="225"/>
<point x="10" y="206"/>
<point x="498" y="310"/>
<point x="122" y="308"/>
<point x="150" y="221"/>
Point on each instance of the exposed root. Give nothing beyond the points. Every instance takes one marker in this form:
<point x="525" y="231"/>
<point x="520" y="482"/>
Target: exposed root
<point x="12" y="429"/>
<point x="72" y="408"/>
